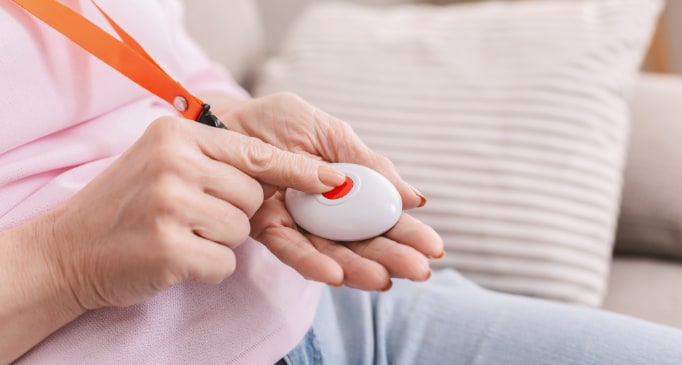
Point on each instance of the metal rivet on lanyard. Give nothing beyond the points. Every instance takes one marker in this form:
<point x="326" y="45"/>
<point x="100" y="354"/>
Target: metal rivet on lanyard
<point x="125" y="55"/>
<point x="180" y="103"/>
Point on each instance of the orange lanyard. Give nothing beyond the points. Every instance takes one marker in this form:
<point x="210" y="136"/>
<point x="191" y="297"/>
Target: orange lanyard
<point x="125" y="55"/>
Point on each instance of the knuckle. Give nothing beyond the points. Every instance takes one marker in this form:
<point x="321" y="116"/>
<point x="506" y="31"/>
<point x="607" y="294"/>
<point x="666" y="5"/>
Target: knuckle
<point x="288" y="97"/>
<point x="222" y="266"/>
<point x="227" y="264"/>
<point x="255" y="199"/>
<point x="165" y="129"/>
<point x="259" y="155"/>
<point x="241" y="228"/>
<point x="340" y="125"/>
<point x="385" y="161"/>
<point x="344" y="129"/>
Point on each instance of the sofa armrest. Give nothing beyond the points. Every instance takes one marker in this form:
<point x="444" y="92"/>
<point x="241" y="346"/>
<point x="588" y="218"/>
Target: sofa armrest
<point x="651" y="212"/>
<point x="647" y="289"/>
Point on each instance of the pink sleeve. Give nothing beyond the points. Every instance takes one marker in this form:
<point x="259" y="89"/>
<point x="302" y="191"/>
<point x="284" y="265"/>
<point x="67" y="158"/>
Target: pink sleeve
<point x="87" y="111"/>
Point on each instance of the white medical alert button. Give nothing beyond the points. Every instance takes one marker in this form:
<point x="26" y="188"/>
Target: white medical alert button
<point x="366" y="205"/>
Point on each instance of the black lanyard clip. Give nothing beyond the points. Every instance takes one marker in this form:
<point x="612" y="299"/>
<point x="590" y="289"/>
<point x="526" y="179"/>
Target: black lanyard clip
<point x="206" y="117"/>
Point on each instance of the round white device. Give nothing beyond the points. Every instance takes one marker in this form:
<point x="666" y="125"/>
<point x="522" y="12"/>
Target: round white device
<point x="365" y="206"/>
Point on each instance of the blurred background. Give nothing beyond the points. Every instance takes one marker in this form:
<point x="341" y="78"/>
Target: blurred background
<point x="666" y="52"/>
<point x="665" y="55"/>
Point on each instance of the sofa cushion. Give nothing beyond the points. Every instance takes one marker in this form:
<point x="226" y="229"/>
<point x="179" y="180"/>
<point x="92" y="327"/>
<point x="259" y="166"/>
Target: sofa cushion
<point x="510" y="116"/>
<point x="651" y="213"/>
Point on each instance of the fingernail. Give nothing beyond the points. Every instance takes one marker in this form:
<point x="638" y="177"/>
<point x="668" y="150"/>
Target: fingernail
<point x="421" y="196"/>
<point x="437" y="257"/>
<point x="330" y="176"/>
<point x="336" y="285"/>
<point x="388" y="287"/>
<point x="428" y="276"/>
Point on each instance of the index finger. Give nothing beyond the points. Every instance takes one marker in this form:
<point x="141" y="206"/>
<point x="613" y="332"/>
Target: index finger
<point x="267" y="163"/>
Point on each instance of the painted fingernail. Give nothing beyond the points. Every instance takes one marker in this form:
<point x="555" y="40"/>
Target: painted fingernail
<point x="437" y="257"/>
<point x="420" y="195"/>
<point x="330" y="176"/>
<point x="388" y="287"/>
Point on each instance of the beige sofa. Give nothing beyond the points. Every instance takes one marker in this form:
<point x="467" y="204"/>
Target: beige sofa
<point x="646" y="277"/>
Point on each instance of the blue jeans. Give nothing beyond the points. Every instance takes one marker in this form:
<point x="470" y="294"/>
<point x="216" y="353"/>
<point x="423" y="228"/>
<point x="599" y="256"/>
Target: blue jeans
<point x="450" y="320"/>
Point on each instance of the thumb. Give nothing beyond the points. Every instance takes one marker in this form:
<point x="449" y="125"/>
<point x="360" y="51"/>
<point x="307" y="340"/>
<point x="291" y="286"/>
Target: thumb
<point x="267" y="163"/>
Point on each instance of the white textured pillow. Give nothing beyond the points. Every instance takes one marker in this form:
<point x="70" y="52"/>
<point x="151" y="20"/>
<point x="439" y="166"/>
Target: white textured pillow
<point x="510" y="117"/>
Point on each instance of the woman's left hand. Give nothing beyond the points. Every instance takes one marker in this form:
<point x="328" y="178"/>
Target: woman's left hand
<point x="288" y="122"/>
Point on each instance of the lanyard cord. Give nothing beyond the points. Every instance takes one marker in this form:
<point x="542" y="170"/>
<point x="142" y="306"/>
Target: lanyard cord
<point x="126" y="56"/>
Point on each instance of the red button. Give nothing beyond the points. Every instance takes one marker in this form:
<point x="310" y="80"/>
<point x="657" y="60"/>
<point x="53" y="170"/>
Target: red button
<point x="340" y="191"/>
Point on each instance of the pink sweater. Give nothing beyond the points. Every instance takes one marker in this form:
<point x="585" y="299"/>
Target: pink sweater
<point x="64" y="117"/>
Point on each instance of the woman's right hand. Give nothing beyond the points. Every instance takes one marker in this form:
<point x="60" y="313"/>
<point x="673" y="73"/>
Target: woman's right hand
<point x="172" y="208"/>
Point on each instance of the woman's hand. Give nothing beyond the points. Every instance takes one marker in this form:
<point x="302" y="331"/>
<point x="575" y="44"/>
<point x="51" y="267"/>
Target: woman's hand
<point x="288" y="122"/>
<point x="172" y="208"/>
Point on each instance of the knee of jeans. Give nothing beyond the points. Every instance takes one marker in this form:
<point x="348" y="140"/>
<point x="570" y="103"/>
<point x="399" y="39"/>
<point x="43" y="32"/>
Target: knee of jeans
<point x="452" y="279"/>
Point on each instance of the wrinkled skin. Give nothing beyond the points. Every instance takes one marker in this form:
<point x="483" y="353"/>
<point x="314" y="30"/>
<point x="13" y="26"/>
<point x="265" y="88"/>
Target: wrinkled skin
<point x="288" y="122"/>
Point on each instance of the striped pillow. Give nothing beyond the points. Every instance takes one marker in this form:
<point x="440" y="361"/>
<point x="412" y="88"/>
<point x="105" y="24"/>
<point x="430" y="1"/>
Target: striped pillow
<point x="510" y="117"/>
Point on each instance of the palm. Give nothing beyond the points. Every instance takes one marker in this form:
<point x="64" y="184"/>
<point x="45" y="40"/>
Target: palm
<point x="289" y="123"/>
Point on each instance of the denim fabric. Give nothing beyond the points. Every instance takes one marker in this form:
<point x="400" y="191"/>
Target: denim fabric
<point x="306" y="353"/>
<point x="449" y="320"/>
